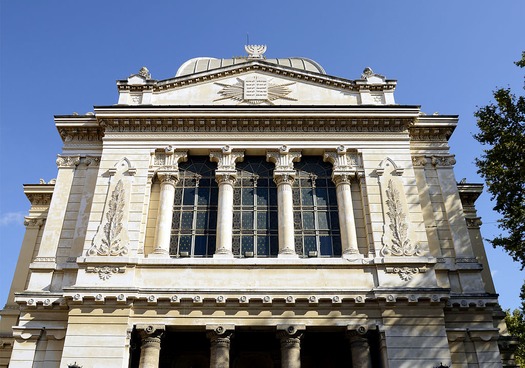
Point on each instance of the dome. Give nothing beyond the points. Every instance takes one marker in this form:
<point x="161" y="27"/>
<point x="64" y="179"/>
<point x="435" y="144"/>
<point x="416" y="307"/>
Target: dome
<point x="203" y="64"/>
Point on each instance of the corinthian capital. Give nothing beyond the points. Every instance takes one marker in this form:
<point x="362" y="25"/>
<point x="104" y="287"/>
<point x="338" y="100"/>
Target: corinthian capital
<point x="168" y="176"/>
<point x="67" y="161"/>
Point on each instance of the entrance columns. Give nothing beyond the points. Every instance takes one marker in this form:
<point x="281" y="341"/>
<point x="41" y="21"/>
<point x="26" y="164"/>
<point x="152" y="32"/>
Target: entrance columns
<point x="220" y="339"/>
<point x="290" y="337"/>
<point x="360" y="348"/>
<point x="284" y="176"/>
<point x="344" y="169"/>
<point x="225" y="175"/>
<point x="150" y="348"/>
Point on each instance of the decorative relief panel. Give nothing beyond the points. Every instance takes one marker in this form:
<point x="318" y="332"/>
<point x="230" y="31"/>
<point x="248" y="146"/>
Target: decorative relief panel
<point x="397" y="235"/>
<point x="111" y="238"/>
<point x="254" y="90"/>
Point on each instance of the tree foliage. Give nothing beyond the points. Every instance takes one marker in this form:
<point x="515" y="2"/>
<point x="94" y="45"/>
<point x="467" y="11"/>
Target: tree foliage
<point x="502" y="129"/>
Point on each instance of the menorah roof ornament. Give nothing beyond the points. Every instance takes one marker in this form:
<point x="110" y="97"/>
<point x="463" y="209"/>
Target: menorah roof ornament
<point x="255" y="51"/>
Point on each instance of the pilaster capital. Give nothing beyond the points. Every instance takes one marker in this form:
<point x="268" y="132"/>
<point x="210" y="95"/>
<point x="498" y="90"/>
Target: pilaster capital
<point x="27" y="334"/>
<point x="33" y="222"/>
<point x="226" y="158"/>
<point x="283" y="158"/>
<point x="443" y="161"/>
<point x="67" y="161"/>
<point x="357" y="334"/>
<point x="168" y="175"/>
<point x="92" y="161"/>
<point x="342" y="159"/>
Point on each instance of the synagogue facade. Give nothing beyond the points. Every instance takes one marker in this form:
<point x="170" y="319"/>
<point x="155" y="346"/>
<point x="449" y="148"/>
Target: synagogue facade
<point x="254" y="212"/>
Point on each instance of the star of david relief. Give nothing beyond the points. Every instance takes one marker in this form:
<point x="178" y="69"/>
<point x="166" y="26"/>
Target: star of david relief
<point x="255" y="90"/>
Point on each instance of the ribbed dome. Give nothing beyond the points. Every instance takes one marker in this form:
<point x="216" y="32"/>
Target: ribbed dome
<point x="202" y="64"/>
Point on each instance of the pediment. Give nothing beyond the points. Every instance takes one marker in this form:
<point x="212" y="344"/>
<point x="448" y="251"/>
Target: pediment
<point x="255" y="83"/>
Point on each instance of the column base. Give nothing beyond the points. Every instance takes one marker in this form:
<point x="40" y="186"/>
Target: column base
<point x="159" y="254"/>
<point x="223" y="253"/>
<point x="352" y="254"/>
<point x="288" y="255"/>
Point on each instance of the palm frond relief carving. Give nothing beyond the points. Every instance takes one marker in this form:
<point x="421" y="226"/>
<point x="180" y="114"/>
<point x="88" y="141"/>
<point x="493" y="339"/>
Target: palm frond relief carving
<point x="398" y="244"/>
<point x="110" y="243"/>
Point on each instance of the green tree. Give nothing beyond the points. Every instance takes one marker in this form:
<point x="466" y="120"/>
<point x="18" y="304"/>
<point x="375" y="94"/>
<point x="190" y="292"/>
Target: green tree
<point x="502" y="129"/>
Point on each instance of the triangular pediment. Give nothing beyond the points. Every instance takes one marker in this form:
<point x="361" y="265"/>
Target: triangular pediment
<point x="255" y="82"/>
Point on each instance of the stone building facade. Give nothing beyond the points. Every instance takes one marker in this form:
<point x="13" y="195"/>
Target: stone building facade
<point x="253" y="212"/>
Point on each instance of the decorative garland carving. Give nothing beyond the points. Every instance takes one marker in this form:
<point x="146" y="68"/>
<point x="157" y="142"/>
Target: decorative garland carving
<point x="400" y="244"/>
<point x="405" y="273"/>
<point x="110" y="244"/>
<point x="105" y="272"/>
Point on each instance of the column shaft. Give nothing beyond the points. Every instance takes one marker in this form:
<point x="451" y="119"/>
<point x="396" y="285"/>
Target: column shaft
<point x="290" y="352"/>
<point x="165" y="214"/>
<point x="346" y="215"/>
<point x="220" y="351"/>
<point x="285" y="215"/>
<point x="150" y="352"/>
<point x="225" y="215"/>
<point x="360" y="352"/>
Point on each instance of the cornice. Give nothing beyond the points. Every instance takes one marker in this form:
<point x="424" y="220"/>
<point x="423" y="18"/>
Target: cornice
<point x="74" y="128"/>
<point x="260" y="66"/>
<point x="39" y="194"/>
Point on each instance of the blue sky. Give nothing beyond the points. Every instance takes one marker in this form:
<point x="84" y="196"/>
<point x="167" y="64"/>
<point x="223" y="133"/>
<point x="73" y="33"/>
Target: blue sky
<point x="59" y="57"/>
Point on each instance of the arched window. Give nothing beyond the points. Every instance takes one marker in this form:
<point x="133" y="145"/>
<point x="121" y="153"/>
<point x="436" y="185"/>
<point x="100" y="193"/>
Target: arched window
<point x="255" y="209"/>
<point x="194" y="225"/>
<point x="316" y="220"/>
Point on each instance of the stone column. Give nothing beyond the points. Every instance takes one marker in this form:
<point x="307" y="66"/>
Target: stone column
<point x="290" y="347"/>
<point x="284" y="176"/>
<point x="150" y="347"/>
<point x="168" y="176"/>
<point x="168" y="179"/>
<point x="225" y="175"/>
<point x="345" y="168"/>
<point x="360" y="348"/>
<point x="220" y="339"/>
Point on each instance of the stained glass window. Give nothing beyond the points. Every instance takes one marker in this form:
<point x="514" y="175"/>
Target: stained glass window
<point x="255" y="209"/>
<point x="194" y="226"/>
<point x="316" y="220"/>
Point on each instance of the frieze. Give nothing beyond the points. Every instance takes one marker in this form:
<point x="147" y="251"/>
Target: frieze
<point x="430" y="134"/>
<point x="75" y="134"/>
<point x="105" y="272"/>
<point x="257" y="124"/>
<point x="39" y="199"/>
